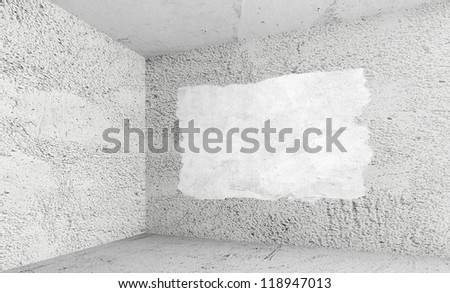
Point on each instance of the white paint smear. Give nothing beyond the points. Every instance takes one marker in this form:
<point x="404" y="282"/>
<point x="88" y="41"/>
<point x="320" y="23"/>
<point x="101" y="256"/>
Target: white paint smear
<point x="298" y="101"/>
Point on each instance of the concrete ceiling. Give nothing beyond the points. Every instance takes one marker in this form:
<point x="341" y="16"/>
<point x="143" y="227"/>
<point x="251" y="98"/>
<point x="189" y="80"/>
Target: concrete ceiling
<point x="153" y="27"/>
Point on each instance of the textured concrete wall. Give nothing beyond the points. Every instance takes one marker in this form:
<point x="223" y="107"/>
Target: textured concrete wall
<point x="406" y="207"/>
<point x="63" y="83"/>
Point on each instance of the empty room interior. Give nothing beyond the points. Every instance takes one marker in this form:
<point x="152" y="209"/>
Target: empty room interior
<point x="225" y="136"/>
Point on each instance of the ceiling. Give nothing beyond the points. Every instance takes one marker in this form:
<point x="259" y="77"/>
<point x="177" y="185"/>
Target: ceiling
<point x="153" y="27"/>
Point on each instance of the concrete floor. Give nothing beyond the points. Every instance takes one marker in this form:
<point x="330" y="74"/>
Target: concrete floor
<point x="156" y="254"/>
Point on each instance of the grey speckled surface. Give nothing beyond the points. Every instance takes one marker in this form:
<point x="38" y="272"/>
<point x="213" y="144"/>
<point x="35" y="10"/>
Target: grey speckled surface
<point x="61" y="84"/>
<point x="166" y="254"/>
<point x="406" y="208"/>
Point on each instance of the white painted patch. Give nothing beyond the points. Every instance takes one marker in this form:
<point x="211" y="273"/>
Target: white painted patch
<point x="298" y="101"/>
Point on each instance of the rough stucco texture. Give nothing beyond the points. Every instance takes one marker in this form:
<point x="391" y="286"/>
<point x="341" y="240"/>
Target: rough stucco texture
<point x="63" y="83"/>
<point x="406" y="208"/>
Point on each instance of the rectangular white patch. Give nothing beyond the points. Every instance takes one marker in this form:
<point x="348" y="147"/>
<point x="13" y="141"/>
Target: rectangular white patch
<point x="298" y="101"/>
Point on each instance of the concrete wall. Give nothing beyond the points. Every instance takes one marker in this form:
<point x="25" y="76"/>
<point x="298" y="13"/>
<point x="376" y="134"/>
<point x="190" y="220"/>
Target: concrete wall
<point x="275" y="168"/>
<point x="406" y="207"/>
<point x="63" y="83"/>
